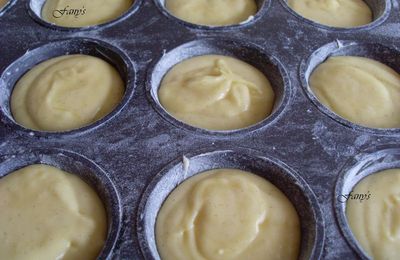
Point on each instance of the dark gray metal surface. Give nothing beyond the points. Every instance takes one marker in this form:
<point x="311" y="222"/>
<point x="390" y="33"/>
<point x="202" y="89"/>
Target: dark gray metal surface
<point x="140" y="146"/>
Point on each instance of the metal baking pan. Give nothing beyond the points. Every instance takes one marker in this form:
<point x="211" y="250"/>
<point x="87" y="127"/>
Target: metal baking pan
<point x="136" y="155"/>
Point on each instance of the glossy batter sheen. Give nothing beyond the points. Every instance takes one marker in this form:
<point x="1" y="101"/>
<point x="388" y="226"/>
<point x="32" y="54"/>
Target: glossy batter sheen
<point x="376" y="222"/>
<point x="227" y="214"/>
<point x="66" y="93"/>
<point x="73" y="13"/>
<point x="216" y="93"/>
<point x="212" y="12"/>
<point x="336" y="13"/>
<point x="360" y="90"/>
<point x="47" y="213"/>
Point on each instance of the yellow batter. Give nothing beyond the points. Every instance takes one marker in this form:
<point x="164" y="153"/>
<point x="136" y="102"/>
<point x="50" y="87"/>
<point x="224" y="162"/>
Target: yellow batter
<point x="217" y="93"/>
<point x="212" y="12"/>
<point x="227" y="214"/>
<point x="376" y="222"/>
<point x="361" y="90"/>
<point x="49" y="214"/>
<point x="336" y="13"/>
<point x="73" y="13"/>
<point x="66" y="93"/>
<point x="3" y="3"/>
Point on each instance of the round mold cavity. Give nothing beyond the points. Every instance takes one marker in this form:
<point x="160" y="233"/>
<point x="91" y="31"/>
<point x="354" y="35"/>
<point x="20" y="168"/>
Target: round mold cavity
<point x="262" y="6"/>
<point x="359" y="167"/>
<point x="270" y="66"/>
<point x="35" y="11"/>
<point x="7" y="6"/>
<point x="92" y="47"/>
<point x="85" y="169"/>
<point x="376" y="51"/>
<point x="380" y="12"/>
<point x="289" y="182"/>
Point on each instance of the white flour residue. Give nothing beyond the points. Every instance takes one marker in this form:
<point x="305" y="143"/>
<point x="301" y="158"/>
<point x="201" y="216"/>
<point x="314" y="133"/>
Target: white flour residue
<point x="186" y="165"/>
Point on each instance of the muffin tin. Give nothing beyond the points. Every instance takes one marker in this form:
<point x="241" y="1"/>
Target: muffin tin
<point x="136" y="155"/>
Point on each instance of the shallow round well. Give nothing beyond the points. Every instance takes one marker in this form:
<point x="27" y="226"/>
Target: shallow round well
<point x="96" y="48"/>
<point x="84" y="168"/>
<point x="263" y="6"/>
<point x="376" y="51"/>
<point x="361" y="166"/>
<point x="289" y="182"/>
<point x="35" y="10"/>
<point x="380" y="12"/>
<point x="249" y="53"/>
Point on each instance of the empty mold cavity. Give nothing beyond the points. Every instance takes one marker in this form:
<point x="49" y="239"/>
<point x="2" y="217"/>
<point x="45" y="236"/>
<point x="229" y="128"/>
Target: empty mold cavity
<point x="280" y="175"/>
<point x="85" y="169"/>
<point x="380" y="12"/>
<point x="376" y="51"/>
<point x="249" y="53"/>
<point x="91" y="47"/>
<point x="262" y="7"/>
<point x="361" y="166"/>
<point x="35" y="10"/>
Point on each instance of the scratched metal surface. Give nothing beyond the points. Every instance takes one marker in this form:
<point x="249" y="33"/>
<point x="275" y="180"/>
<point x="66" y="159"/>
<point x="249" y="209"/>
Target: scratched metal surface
<point x="133" y="157"/>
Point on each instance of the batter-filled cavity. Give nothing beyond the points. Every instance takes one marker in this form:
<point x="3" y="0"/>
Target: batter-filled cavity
<point x="217" y="93"/>
<point x="47" y="213"/>
<point x="361" y="90"/>
<point x="66" y="93"/>
<point x="336" y="13"/>
<point x="227" y="214"/>
<point x="214" y="12"/>
<point x="73" y="13"/>
<point x="376" y="222"/>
